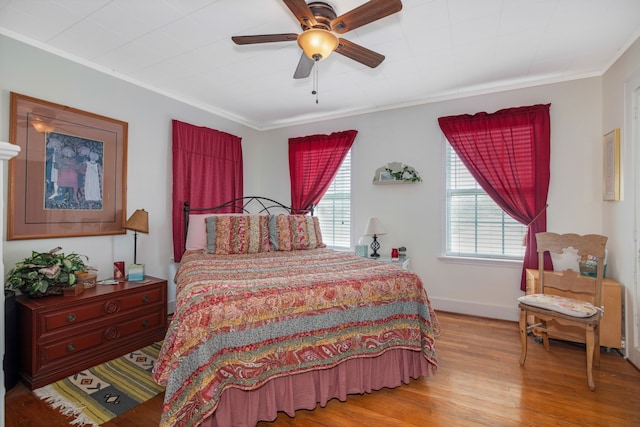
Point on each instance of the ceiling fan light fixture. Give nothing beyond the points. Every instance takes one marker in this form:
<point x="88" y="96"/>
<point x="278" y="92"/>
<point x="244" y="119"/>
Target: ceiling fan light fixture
<point x="317" y="43"/>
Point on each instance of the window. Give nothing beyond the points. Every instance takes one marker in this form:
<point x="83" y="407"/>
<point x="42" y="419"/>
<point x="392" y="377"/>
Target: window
<point x="334" y="209"/>
<point x="476" y="226"/>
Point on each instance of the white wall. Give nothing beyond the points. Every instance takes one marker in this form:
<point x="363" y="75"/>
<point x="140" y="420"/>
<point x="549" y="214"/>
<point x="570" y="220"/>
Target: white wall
<point x="619" y="217"/>
<point x="412" y="214"/>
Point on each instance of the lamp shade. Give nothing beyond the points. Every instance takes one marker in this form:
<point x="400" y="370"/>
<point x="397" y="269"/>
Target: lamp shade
<point x="139" y="221"/>
<point x="317" y="43"/>
<point x="374" y="228"/>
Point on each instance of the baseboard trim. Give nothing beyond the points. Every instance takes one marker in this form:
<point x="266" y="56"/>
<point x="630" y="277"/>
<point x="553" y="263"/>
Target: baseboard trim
<point x="511" y="313"/>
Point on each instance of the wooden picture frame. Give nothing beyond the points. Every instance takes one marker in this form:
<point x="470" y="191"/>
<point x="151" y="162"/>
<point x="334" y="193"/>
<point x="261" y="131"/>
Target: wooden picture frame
<point x="69" y="178"/>
<point x="611" y="167"/>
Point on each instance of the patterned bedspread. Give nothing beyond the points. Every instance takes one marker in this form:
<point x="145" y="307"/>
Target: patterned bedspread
<point x="241" y="320"/>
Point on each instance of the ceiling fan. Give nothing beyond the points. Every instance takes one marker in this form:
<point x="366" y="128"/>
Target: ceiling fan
<point x="319" y="23"/>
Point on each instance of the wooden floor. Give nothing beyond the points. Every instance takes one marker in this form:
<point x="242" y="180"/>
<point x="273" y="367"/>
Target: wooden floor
<point x="479" y="383"/>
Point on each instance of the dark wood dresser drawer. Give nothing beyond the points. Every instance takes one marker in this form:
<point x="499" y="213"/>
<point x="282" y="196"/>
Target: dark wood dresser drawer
<point x="104" y="336"/>
<point x="79" y="313"/>
<point x="65" y="335"/>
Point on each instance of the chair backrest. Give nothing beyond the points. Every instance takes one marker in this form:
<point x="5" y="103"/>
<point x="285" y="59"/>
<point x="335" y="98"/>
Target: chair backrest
<point x="590" y="249"/>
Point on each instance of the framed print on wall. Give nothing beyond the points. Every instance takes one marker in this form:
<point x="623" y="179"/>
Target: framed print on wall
<point x="69" y="178"/>
<point x="611" y="167"/>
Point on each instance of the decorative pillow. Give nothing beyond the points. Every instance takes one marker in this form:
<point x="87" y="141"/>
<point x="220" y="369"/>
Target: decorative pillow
<point x="568" y="306"/>
<point x="568" y="259"/>
<point x="237" y="234"/>
<point x="293" y="232"/>
<point x="313" y="223"/>
<point x="197" y="232"/>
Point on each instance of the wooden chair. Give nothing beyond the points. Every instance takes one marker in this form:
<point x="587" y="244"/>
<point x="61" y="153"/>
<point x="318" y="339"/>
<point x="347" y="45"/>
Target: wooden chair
<point x="568" y="297"/>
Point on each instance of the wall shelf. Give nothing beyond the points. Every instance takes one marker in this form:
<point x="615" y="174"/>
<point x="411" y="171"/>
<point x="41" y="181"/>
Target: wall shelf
<point x="396" y="173"/>
<point x="392" y="182"/>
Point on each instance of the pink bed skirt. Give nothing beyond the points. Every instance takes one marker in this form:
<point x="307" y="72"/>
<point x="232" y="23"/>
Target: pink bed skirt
<point x="241" y="408"/>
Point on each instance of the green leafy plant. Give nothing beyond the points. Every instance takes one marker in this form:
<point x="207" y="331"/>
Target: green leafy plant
<point x="46" y="273"/>
<point x="404" y="174"/>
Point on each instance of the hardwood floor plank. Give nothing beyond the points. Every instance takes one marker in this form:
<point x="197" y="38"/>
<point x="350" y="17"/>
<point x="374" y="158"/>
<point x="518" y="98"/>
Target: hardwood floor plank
<point x="479" y="382"/>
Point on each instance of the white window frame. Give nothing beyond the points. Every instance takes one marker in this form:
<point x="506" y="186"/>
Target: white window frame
<point x="473" y="257"/>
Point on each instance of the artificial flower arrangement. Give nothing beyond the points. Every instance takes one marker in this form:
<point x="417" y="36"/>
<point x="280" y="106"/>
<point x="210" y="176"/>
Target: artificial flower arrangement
<point x="406" y="173"/>
<point x="47" y="273"/>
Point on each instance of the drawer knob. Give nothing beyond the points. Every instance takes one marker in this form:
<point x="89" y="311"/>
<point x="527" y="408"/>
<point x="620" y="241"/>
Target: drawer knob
<point x="111" y="333"/>
<point x="70" y="347"/>
<point x="145" y="298"/>
<point x="111" y="307"/>
<point x="71" y="318"/>
<point x="145" y="323"/>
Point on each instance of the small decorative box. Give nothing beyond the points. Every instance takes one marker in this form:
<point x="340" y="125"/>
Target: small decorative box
<point x="88" y="281"/>
<point x="136" y="272"/>
<point x="361" y="250"/>
<point x="72" y="291"/>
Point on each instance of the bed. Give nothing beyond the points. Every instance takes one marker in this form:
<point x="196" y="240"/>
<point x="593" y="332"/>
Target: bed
<point x="268" y="319"/>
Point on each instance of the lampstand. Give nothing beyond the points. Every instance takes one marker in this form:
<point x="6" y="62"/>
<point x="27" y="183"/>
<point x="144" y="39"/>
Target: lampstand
<point x="374" y="247"/>
<point x="135" y="247"/>
<point x="374" y="228"/>
<point x="138" y="222"/>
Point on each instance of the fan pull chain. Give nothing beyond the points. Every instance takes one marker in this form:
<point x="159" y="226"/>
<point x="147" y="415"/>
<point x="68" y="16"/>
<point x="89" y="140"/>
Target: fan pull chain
<point x="315" y="80"/>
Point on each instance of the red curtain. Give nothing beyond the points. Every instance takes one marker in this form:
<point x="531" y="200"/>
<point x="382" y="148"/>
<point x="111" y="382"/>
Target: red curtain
<point x="507" y="152"/>
<point x="313" y="163"/>
<point x="207" y="171"/>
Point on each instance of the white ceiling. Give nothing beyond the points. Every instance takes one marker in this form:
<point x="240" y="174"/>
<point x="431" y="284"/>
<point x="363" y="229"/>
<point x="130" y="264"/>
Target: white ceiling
<point x="435" y="50"/>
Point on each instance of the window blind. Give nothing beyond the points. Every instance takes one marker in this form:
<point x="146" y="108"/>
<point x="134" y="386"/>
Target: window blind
<point x="476" y="225"/>
<point x="334" y="209"/>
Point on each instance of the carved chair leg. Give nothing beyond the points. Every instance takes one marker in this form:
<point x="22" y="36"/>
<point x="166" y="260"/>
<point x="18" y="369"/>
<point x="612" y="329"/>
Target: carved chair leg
<point x="523" y="335"/>
<point x="590" y="352"/>
<point x="596" y="356"/>
<point x="545" y="337"/>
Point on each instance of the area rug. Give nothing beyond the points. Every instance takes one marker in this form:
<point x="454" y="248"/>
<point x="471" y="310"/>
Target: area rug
<point x="95" y="396"/>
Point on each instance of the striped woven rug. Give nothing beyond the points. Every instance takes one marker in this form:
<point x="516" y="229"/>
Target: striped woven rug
<point x="95" y="396"/>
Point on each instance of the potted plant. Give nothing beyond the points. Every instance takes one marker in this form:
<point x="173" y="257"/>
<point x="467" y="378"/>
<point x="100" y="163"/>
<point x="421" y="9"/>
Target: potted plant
<point x="46" y="273"/>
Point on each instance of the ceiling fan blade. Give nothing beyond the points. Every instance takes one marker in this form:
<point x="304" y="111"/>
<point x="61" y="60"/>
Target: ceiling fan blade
<point x="305" y="65"/>
<point x="364" y="14"/>
<point x="264" y="38"/>
<point x="358" y="53"/>
<point x="302" y="12"/>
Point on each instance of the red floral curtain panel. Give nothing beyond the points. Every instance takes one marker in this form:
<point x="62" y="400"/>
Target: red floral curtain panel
<point x="313" y="163"/>
<point x="507" y="152"/>
<point x="207" y="171"/>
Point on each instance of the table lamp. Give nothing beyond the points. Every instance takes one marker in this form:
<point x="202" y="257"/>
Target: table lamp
<point x="375" y="229"/>
<point x="138" y="222"/>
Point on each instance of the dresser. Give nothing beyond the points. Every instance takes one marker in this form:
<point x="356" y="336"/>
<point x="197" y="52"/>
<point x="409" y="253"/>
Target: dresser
<point x="610" y="324"/>
<point x="62" y="335"/>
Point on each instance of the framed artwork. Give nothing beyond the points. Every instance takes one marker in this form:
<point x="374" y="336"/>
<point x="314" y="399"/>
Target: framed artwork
<point x="611" y="167"/>
<point x="70" y="175"/>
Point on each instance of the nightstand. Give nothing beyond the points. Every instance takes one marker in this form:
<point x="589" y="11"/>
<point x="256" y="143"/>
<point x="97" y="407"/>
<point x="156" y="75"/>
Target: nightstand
<point x="402" y="262"/>
<point x="63" y="335"/>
